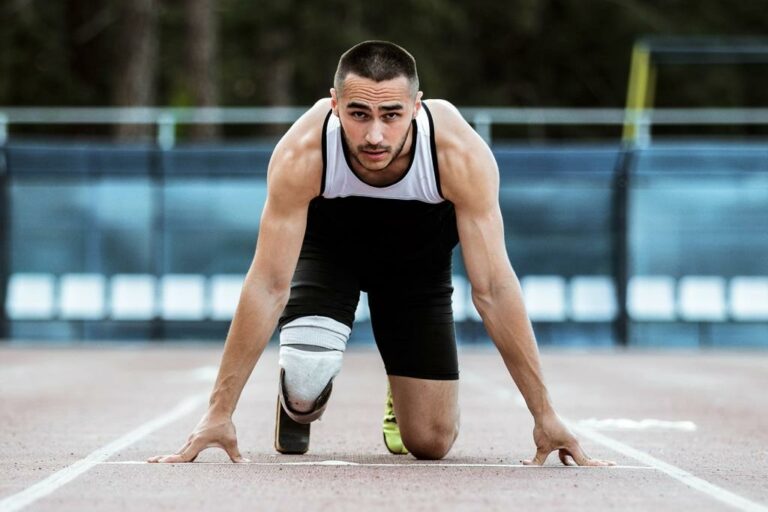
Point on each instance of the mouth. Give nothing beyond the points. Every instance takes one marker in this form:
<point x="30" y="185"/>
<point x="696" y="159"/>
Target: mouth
<point x="377" y="154"/>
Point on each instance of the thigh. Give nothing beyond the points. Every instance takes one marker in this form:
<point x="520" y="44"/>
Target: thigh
<point x="427" y="414"/>
<point x="424" y="400"/>
<point x="323" y="285"/>
<point x="412" y="320"/>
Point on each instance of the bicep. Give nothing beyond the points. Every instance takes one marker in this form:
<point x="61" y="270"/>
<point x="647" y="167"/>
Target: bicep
<point x="479" y="220"/>
<point x="470" y="179"/>
<point x="290" y="187"/>
<point x="293" y="179"/>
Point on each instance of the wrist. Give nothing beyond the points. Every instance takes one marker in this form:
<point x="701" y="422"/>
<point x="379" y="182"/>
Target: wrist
<point x="219" y="407"/>
<point x="542" y="410"/>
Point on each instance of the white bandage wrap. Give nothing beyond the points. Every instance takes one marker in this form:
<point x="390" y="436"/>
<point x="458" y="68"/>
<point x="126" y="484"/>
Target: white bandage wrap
<point x="311" y="351"/>
<point x="319" y="331"/>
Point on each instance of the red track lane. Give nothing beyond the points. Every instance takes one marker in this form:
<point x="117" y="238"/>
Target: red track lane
<point x="58" y="405"/>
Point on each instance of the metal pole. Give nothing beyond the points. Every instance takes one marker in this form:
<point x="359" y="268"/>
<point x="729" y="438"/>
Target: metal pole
<point x="5" y="239"/>
<point x="620" y="240"/>
<point x="636" y="87"/>
<point x="157" y="234"/>
<point x="3" y="129"/>
<point x="482" y="122"/>
<point x="166" y="131"/>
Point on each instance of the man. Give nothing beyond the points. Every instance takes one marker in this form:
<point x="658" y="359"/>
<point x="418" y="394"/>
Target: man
<point x="371" y="190"/>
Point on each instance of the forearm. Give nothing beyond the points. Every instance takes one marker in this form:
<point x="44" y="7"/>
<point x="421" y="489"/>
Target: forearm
<point x="503" y="313"/>
<point x="252" y="326"/>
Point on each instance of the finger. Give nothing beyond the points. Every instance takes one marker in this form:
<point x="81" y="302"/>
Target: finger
<point x="234" y="452"/>
<point x="579" y="456"/>
<point x="539" y="459"/>
<point x="172" y="457"/>
<point x="192" y="450"/>
<point x="188" y="453"/>
<point x="177" y="458"/>
<point x="582" y="459"/>
<point x="184" y="447"/>
<point x="169" y="459"/>
<point x="565" y="457"/>
<point x="599" y="462"/>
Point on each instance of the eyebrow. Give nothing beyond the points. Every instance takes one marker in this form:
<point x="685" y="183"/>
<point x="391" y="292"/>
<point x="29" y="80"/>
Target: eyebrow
<point x="363" y="106"/>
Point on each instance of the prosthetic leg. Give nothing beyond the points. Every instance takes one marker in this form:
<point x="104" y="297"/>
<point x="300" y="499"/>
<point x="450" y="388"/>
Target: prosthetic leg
<point x="311" y="350"/>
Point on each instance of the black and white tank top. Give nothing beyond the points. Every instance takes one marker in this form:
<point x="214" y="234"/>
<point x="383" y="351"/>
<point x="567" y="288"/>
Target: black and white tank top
<point x="420" y="182"/>
<point x="401" y="221"/>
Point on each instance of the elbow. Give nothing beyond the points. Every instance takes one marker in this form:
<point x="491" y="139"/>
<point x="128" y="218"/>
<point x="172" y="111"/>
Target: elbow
<point x="482" y="298"/>
<point x="279" y="293"/>
<point x="276" y="291"/>
<point x="279" y="290"/>
<point x="486" y="294"/>
<point x="281" y="297"/>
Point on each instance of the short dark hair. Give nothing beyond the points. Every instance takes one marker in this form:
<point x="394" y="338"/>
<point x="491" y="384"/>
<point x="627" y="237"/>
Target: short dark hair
<point x="377" y="61"/>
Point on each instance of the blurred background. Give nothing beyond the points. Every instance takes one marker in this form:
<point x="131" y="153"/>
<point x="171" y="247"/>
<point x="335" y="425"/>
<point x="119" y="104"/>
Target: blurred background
<point x="631" y="136"/>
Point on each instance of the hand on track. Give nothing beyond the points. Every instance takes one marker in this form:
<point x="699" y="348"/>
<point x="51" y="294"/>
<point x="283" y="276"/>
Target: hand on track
<point x="551" y="434"/>
<point x="209" y="433"/>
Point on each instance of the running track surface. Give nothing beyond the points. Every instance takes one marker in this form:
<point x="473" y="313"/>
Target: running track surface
<point x="77" y="422"/>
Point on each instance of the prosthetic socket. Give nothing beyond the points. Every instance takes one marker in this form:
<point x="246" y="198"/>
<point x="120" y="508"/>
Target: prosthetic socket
<point x="311" y="351"/>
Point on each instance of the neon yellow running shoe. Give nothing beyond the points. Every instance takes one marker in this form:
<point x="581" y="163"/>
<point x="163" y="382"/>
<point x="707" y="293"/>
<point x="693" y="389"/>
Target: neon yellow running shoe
<point x="391" y="431"/>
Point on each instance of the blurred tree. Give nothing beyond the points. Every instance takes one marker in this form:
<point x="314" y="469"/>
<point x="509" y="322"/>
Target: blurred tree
<point x="91" y="24"/>
<point x="36" y="54"/>
<point x="201" y="58"/>
<point x="135" y="61"/>
<point x="284" y="52"/>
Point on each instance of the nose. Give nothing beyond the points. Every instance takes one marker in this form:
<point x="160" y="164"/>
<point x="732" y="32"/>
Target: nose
<point x="374" y="136"/>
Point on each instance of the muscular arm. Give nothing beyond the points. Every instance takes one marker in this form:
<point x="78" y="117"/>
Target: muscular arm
<point x="293" y="179"/>
<point x="470" y="179"/>
<point x="263" y="297"/>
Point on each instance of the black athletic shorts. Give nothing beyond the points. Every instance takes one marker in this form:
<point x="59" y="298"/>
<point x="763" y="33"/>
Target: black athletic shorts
<point x="409" y="301"/>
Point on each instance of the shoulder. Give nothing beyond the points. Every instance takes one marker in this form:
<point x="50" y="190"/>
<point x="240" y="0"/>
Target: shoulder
<point x="464" y="159"/>
<point x="297" y="162"/>
<point x="445" y="113"/>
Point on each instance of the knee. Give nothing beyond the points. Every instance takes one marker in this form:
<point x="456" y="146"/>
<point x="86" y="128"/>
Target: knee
<point x="431" y="442"/>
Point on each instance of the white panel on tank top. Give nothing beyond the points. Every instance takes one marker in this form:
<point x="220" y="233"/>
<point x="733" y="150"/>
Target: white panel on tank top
<point x="419" y="183"/>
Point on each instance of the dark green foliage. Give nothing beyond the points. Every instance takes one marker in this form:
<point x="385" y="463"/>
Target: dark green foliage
<point x="484" y="52"/>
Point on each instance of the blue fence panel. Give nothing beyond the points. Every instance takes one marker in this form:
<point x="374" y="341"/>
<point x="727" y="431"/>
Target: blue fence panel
<point x="693" y="210"/>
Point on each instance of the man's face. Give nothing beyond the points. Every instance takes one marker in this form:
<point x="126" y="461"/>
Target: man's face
<point x="375" y="118"/>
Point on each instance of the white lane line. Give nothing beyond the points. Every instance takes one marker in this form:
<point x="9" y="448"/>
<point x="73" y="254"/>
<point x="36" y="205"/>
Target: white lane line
<point x="714" y="491"/>
<point x="45" y="487"/>
<point x="629" y="424"/>
<point x="710" y="489"/>
<point x="376" y="464"/>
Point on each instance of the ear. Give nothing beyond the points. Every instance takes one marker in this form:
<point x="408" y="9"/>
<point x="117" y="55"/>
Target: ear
<point x="417" y="105"/>
<point x="334" y="102"/>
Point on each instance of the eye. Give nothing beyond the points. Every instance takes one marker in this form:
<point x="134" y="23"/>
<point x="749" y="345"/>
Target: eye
<point x="391" y="116"/>
<point x="357" y="114"/>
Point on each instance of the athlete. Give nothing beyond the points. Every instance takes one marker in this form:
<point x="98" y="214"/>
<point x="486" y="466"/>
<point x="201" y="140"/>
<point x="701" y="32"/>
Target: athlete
<point x="370" y="190"/>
